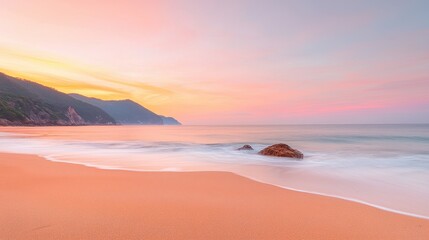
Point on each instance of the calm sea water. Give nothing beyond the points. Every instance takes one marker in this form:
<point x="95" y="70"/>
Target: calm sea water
<point x="386" y="166"/>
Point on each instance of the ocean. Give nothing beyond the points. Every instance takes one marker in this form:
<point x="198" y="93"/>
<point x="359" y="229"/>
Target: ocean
<point x="385" y="166"/>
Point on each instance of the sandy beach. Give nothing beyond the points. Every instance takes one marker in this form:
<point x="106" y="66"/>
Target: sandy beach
<point x="40" y="199"/>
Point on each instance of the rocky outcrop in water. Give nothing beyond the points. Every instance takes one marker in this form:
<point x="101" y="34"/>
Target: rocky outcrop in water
<point x="245" y="147"/>
<point x="282" y="150"/>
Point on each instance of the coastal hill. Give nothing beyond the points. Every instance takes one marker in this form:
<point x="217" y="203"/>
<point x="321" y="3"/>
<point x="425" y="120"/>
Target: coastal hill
<point x="128" y="112"/>
<point x="27" y="103"/>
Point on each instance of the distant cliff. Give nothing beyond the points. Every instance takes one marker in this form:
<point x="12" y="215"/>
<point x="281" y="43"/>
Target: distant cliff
<point x="27" y="103"/>
<point x="169" y="121"/>
<point x="128" y="112"/>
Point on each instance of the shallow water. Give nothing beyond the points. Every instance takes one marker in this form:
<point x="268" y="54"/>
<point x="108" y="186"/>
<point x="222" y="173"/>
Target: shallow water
<point x="382" y="165"/>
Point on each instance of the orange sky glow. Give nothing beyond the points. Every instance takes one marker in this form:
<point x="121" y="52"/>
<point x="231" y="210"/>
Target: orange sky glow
<point x="228" y="62"/>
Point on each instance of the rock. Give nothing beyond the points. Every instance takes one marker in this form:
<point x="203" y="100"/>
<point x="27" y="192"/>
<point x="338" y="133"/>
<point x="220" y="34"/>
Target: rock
<point x="281" y="150"/>
<point x="74" y="117"/>
<point x="245" y="147"/>
<point x="5" y="122"/>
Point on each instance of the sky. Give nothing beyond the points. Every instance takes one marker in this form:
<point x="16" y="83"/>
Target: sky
<point x="229" y="62"/>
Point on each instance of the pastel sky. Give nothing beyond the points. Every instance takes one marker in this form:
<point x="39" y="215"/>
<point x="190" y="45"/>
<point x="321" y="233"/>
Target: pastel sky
<point x="230" y="62"/>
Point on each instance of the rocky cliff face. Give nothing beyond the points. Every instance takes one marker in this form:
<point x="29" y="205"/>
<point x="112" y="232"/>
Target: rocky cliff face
<point x="74" y="118"/>
<point x="22" y="111"/>
<point x="27" y="103"/>
<point x="18" y="111"/>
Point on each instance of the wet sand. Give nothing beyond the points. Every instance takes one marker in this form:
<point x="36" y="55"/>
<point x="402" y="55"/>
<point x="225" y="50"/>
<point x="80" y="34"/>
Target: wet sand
<point x="40" y="199"/>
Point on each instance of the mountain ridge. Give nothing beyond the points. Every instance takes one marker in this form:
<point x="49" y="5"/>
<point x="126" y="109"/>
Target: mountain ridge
<point x="26" y="103"/>
<point x="23" y="102"/>
<point x="128" y="112"/>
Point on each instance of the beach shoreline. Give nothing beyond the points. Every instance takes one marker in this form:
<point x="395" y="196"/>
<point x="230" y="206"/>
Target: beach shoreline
<point x="41" y="199"/>
<point x="361" y="167"/>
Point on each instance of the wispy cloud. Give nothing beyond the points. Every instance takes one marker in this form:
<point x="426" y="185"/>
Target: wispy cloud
<point x="228" y="61"/>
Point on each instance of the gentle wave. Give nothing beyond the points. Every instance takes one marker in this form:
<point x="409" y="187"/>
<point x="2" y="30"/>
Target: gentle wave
<point x="387" y="171"/>
<point x="175" y="169"/>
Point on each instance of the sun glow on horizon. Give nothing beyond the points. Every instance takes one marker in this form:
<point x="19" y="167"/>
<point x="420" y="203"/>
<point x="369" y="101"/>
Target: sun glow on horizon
<point x="248" y="63"/>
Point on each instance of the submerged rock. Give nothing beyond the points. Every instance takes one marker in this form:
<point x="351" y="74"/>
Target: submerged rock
<point x="281" y="150"/>
<point x="245" y="147"/>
